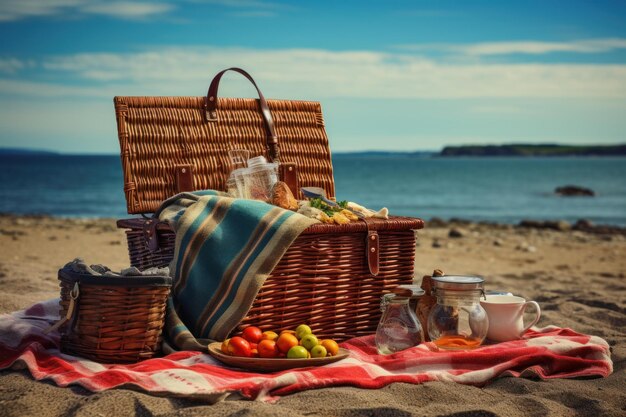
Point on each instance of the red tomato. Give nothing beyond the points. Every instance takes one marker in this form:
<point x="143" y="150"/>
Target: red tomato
<point x="252" y="334"/>
<point x="268" y="349"/>
<point x="238" y="346"/>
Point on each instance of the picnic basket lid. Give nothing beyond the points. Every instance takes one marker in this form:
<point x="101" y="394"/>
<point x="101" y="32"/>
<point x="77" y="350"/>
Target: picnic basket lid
<point x="164" y="139"/>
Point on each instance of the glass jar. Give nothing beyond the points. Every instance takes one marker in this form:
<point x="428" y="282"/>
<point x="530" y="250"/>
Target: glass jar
<point x="235" y="186"/>
<point x="458" y="321"/>
<point x="259" y="178"/>
<point x="398" y="328"/>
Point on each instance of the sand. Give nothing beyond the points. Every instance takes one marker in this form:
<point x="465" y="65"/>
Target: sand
<point x="578" y="278"/>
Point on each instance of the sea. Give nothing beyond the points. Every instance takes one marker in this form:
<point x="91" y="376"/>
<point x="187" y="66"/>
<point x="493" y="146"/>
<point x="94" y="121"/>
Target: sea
<point x="501" y="190"/>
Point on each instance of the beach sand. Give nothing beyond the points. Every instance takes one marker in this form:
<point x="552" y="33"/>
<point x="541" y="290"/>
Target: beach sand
<point x="578" y="278"/>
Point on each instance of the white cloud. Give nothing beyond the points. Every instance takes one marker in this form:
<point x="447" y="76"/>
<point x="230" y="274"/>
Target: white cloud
<point x="241" y="4"/>
<point x="302" y="73"/>
<point x="11" y="10"/>
<point x="254" y="13"/>
<point x="20" y="88"/>
<point x="11" y="65"/>
<point x="127" y="9"/>
<point x="493" y="109"/>
<point x="524" y="47"/>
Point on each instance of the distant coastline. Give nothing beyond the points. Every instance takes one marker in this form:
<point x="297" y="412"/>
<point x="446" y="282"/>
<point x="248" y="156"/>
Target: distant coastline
<point x="509" y="150"/>
<point x="534" y="150"/>
<point x="24" y="151"/>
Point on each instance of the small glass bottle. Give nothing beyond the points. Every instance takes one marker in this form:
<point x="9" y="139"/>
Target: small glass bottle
<point x="398" y="328"/>
<point x="458" y="321"/>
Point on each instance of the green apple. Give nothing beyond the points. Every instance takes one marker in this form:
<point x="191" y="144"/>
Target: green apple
<point x="309" y="341"/>
<point x="318" y="351"/>
<point x="302" y="330"/>
<point x="297" y="352"/>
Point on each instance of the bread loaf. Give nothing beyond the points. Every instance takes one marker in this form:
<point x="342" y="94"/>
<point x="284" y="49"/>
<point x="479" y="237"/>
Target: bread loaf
<point x="283" y="197"/>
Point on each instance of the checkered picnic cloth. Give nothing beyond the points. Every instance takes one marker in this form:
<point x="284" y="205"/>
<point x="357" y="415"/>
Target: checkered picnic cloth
<point x="550" y="352"/>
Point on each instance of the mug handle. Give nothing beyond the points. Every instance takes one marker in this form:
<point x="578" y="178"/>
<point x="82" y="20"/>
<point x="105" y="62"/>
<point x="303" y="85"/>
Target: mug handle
<point x="537" y="313"/>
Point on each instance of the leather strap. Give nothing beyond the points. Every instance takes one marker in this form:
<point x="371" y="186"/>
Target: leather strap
<point x="373" y="249"/>
<point x="210" y="105"/>
<point x="150" y="235"/>
<point x="184" y="178"/>
<point x="288" y="173"/>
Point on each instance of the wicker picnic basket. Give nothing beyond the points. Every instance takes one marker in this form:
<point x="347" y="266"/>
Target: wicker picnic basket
<point x="332" y="276"/>
<point x="112" y="319"/>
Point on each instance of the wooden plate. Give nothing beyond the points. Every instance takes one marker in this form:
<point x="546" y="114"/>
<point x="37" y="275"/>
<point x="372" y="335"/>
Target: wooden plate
<point x="271" y="364"/>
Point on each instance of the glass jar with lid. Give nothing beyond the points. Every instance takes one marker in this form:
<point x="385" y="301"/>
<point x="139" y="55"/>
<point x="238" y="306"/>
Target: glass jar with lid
<point x="259" y="178"/>
<point x="458" y="321"/>
<point x="399" y="327"/>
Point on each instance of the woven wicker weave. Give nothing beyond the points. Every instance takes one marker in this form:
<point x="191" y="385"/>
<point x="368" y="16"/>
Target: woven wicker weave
<point x="323" y="279"/>
<point x="112" y="323"/>
<point x="157" y="134"/>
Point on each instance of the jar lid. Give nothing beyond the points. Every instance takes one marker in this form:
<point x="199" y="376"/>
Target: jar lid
<point x="408" y="291"/>
<point x="257" y="160"/>
<point x="459" y="282"/>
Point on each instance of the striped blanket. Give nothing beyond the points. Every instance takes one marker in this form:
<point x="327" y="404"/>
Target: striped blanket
<point x="225" y="249"/>
<point x="545" y="353"/>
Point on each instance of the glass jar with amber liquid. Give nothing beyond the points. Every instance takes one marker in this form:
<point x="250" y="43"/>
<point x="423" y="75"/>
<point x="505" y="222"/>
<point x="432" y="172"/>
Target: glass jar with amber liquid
<point x="458" y="321"/>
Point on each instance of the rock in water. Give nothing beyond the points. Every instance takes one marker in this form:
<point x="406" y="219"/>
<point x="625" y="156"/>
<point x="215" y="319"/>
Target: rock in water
<point x="574" y="191"/>
<point x="283" y="197"/>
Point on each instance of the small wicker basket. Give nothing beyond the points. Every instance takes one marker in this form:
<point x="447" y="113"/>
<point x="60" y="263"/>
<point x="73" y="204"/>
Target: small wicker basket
<point x="112" y="319"/>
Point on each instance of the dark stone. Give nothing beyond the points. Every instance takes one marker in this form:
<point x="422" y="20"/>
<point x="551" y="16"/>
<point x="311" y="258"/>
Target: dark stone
<point x="583" y="224"/>
<point x="457" y="220"/>
<point x="531" y="224"/>
<point x="436" y="222"/>
<point x="574" y="191"/>
<point x="560" y="225"/>
<point x="456" y="233"/>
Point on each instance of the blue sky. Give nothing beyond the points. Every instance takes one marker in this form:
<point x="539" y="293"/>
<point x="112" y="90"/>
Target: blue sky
<point x="392" y="75"/>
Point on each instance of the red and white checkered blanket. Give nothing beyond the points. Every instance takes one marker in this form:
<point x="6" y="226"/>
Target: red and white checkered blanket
<point x="550" y="352"/>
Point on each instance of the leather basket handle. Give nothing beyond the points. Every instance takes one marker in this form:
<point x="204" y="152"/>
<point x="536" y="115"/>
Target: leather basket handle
<point x="210" y="106"/>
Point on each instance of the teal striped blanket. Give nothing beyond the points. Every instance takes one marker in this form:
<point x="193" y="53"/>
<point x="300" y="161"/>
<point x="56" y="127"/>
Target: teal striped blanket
<point x="225" y="249"/>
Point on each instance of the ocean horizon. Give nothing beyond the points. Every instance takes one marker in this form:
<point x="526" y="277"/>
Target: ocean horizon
<point x="493" y="189"/>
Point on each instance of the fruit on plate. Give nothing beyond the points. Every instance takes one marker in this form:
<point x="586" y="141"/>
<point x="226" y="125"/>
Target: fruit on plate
<point x="238" y="346"/>
<point x="302" y="330"/>
<point x="298" y="352"/>
<point x="252" y="334"/>
<point x="225" y="346"/>
<point x="318" y="351"/>
<point x="268" y="349"/>
<point x="286" y="341"/>
<point x="309" y="341"/>
<point x="300" y="343"/>
<point x="332" y="348"/>
<point x="270" y="335"/>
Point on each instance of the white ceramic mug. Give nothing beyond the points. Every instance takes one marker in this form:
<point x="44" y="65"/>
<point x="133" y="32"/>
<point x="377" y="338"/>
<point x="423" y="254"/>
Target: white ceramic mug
<point x="506" y="316"/>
